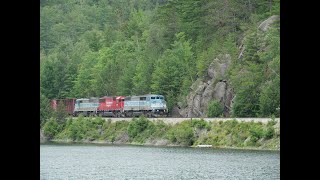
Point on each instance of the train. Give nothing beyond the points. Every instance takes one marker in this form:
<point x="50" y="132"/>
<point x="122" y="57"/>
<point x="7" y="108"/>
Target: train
<point x="149" y="105"/>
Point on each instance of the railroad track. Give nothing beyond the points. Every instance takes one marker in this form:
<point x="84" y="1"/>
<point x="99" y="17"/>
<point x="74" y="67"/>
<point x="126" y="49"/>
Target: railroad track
<point x="170" y="120"/>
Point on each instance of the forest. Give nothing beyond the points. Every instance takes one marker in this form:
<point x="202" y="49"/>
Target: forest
<point x="95" y="48"/>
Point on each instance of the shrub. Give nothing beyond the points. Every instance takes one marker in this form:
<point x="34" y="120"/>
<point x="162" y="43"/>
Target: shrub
<point x="215" y="109"/>
<point x="61" y="114"/>
<point x="269" y="133"/>
<point x="181" y="133"/>
<point x="184" y="135"/>
<point x="45" y="110"/>
<point x="201" y="124"/>
<point x="51" y="128"/>
<point x="136" y="126"/>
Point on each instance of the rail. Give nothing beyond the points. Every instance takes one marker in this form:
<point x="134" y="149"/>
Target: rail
<point x="169" y="120"/>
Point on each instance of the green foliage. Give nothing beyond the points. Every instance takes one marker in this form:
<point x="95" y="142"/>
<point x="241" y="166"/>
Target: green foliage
<point x="130" y="47"/>
<point x="215" y="109"/>
<point x="270" y="98"/>
<point x="173" y="72"/>
<point x="238" y="134"/>
<point x="200" y="124"/>
<point x="230" y="133"/>
<point x="82" y="129"/>
<point x="83" y="83"/>
<point x="51" y="128"/>
<point x="256" y="77"/>
<point x="137" y="126"/>
<point x="60" y="114"/>
<point x="184" y="135"/>
<point x="181" y="134"/>
<point x="256" y="132"/>
<point x="247" y="87"/>
<point x="111" y="131"/>
<point x="45" y="109"/>
<point x="269" y="133"/>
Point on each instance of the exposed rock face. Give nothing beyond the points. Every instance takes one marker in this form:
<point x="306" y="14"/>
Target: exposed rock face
<point x="266" y="23"/>
<point x="43" y="138"/>
<point x="207" y="96"/>
<point x="215" y="87"/>
<point x="263" y="27"/>
<point x="219" y="91"/>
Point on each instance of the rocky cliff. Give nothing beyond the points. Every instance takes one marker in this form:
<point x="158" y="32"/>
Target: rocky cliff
<point x="216" y="85"/>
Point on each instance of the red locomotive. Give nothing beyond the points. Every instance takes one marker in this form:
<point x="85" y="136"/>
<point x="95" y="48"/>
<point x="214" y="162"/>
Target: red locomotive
<point x="111" y="106"/>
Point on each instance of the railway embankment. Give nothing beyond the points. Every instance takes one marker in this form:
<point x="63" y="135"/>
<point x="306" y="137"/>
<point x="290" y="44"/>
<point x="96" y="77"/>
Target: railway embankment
<point x="240" y="133"/>
<point x="171" y="120"/>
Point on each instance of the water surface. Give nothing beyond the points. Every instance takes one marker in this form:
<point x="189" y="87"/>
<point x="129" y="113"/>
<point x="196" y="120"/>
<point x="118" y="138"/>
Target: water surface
<point x="80" y="161"/>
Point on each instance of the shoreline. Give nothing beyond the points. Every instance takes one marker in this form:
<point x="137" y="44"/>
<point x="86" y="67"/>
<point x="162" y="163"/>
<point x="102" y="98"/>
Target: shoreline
<point x="143" y="132"/>
<point x="59" y="141"/>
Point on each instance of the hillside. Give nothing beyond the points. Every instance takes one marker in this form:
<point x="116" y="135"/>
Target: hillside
<point x="208" y="58"/>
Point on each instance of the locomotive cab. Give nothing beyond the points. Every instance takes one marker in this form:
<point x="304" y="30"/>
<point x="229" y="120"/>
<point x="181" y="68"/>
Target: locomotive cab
<point x="158" y="104"/>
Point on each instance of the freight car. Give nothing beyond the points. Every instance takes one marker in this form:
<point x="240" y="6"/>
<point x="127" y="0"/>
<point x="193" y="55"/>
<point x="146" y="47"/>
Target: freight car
<point x="111" y="106"/>
<point x="151" y="105"/>
<point x="67" y="103"/>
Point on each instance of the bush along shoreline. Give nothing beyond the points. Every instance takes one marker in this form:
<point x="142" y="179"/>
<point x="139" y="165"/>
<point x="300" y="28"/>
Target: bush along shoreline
<point x="141" y="131"/>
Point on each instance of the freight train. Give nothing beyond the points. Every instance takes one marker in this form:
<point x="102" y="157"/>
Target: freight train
<point x="150" y="105"/>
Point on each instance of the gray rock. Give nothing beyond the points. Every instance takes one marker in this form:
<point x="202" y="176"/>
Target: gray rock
<point x="207" y="96"/>
<point x="266" y="23"/>
<point x="211" y="70"/>
<point x="228" y="101"/>
<point x="161" y="142"/>
<point x="204" y="91"/>
<point x="218" y="67"/>
<point x="220" y="91"/>
<point x="121" y="138"/>
<point x="175" y="112"/>
<point x="247" y="141"/>
<point x="43" y="138"/>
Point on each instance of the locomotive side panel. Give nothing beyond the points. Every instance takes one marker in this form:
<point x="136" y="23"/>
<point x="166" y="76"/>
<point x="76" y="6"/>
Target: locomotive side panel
<point x="136" y="103"/>
<point x="111" y="106"/>
<point x="86" y="106"/>
<point x="111" y="103"/>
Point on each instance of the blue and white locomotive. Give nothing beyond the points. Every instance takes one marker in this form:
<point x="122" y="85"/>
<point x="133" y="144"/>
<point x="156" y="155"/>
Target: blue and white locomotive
<point x="151" y="105"/>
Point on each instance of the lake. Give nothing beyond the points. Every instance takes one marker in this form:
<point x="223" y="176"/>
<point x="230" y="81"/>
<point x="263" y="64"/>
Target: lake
<point x="92" y="161"/>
